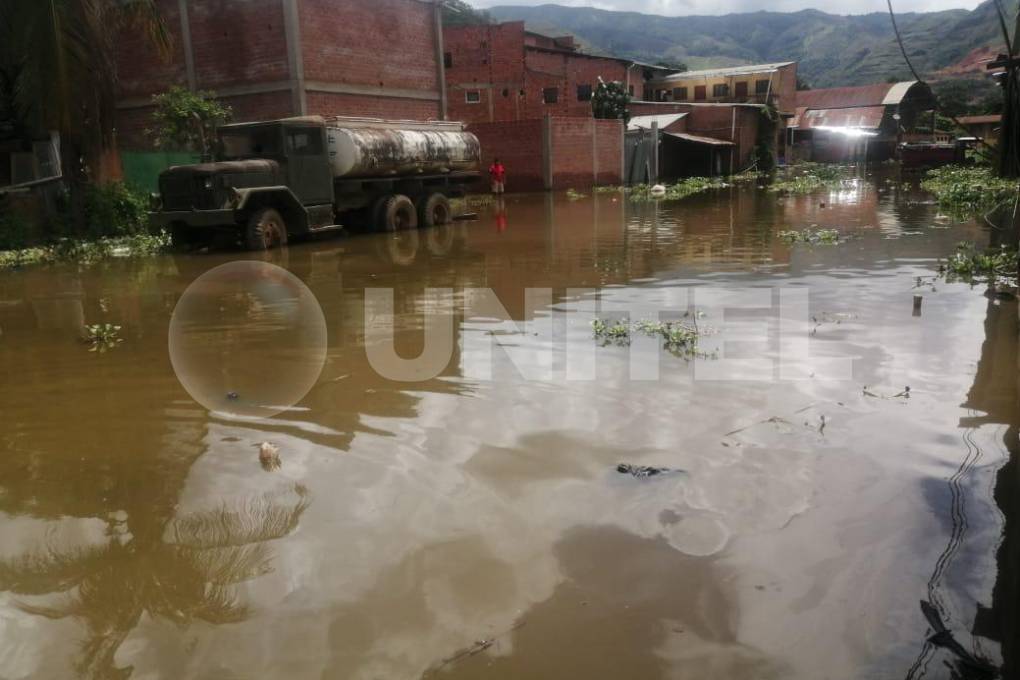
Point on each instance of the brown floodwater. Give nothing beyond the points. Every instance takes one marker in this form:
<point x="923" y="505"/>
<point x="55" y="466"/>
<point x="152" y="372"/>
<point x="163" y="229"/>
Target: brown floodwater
<point x="468" y="520"/>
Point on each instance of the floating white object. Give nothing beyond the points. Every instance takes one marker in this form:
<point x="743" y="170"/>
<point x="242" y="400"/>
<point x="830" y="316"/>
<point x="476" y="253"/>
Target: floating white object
<point x="658" y="190"/>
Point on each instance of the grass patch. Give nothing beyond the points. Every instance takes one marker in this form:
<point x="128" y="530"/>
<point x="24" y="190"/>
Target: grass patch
<point x="973" y="266"/>
<point x="810" y="236"/>
<point x="86" y="251"/>
<point x="963" y="191"/>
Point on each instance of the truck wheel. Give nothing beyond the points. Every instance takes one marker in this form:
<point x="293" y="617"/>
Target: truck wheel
<point x="434" y="211"/>
<point x="265" y="230"/>
<point x="398" y="213"/>
<point x="182" y="239"/>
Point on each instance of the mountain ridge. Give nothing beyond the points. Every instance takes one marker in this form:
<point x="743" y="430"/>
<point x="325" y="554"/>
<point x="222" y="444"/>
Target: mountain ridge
<point x="832" y="49"/>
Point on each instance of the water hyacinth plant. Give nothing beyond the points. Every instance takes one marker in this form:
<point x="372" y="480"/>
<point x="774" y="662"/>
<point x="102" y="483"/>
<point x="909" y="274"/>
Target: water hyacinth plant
<point x="810" y="236"/>
<point x="973" y="266"/>
<point x="806" y="178"/>
<point x="101" y="336"/>
<point x="966" y="190"/>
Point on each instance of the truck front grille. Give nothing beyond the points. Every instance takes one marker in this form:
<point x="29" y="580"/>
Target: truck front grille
<point x="186" y="193"/>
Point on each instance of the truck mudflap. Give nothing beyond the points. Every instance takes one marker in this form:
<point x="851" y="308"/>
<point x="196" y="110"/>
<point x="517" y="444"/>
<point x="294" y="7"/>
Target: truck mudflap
<point x="194" y="218"/>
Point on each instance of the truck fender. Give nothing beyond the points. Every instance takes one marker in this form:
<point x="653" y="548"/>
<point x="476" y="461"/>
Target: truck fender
<point x="280" y="198"/>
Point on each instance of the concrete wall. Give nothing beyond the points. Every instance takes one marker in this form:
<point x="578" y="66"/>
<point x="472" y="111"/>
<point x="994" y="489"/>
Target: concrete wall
<point x="737" y="124"/>
<point x="278" y="58"/>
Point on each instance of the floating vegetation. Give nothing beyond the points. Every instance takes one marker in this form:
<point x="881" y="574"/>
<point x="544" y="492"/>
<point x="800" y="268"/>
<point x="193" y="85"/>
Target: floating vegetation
<point x="613" y="189"/>
<point x="679" y="338"/>
<point x="102" y="337"/>
<point x="810" y="236"/>
<point x="973" y="266"/>
<point x="85" y="251"/>
<point x="675" y="192"/>
<point x="575" y="195"/>
<point x="963" y="191"/>
<point x="806" y="178"/>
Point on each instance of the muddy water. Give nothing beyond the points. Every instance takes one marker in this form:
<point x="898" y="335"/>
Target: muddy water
<point x="462" y="525"/>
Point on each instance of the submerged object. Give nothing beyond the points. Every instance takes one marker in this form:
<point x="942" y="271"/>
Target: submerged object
<point x="657" y="190"/>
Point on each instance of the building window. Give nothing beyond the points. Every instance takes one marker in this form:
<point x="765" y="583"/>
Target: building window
<point x="699" y="92"/>
<point x="550" y="95"/>
<point x="741" y="89"/>
<point x="584" y="93"/>
<point x="630" y="90"/>
<point x="679" y="94"/>
<point x="720" y="90"/>
<point x="473" y="96"/>
<point x="761" y="86"/>
<point x="448" y="59"/>
<point x="506" y="92"/>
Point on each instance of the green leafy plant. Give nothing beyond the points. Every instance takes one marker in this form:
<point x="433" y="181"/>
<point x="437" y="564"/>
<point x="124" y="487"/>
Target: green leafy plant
<point x="680" y="190"/>
<point x="679" y="338"/>
<point x="610" y="100"/>
<point x="806" y="178"/>
<point x="810" y="236"/>
<point x="575" y="195"/>
<point x="115" y="209"/>
<point x="963" y="190"/>
<point x="974" y="266"/>
<point x="186" y="120"/>
<point x="86" y="251"/>
<point x="102" y="336"/>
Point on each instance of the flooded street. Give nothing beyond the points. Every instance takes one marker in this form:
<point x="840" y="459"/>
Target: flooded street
<point x="471" y="522"/>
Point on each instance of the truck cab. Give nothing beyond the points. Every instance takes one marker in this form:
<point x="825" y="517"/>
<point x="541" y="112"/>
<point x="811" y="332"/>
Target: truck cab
<point x="277" y="179"/>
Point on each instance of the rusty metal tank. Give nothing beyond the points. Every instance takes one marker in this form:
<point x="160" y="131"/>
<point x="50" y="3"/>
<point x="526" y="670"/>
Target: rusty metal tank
<point x="361" y="147"/>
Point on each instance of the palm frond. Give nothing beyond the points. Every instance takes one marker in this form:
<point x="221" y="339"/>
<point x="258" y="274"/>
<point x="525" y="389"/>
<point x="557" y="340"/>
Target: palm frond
<point x="252" y="521"/>
<point x="226" y="566"/>
<point x="50" y="570"/>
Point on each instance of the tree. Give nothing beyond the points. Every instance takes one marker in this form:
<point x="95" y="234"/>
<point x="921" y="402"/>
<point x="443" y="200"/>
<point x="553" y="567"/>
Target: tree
<point x="802" y="84"/>
<point x="610" y="100"/>
<point x="459" y="13"/>
<point x="186" y="120"/>
<point x="62" y="53"/>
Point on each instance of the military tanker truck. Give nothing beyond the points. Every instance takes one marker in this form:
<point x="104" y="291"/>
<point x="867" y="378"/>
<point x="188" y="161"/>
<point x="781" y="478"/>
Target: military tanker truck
<point x="297" y="176"/>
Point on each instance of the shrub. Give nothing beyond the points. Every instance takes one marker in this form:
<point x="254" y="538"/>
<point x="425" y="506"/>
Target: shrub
<point x="114" y="209"/>
<point x="961" y="190"/>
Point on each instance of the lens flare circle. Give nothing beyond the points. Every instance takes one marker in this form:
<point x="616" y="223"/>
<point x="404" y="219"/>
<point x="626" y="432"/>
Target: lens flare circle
<point x="248" y="339"/>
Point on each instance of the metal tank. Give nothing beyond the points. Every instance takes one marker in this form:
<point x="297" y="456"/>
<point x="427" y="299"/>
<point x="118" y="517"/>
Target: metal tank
<point x="375" y="148"/>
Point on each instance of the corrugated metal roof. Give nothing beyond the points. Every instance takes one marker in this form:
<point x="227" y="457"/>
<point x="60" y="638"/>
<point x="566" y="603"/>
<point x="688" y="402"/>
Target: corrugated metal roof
<point x="750" y="69"/>
<point x="979" y="120"/>
<point x="663" y="120"/>
<point x="698" y="139"/>
<point x="859" y="117"/>
<point x="880" y="94"/>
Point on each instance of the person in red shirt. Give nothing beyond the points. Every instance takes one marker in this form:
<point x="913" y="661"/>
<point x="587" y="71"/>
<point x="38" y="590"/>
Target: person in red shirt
<point x="497" y="173"/>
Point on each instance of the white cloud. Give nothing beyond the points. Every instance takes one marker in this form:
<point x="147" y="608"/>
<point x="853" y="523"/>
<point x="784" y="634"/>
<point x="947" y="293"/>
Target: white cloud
<point x="703" y="7"/>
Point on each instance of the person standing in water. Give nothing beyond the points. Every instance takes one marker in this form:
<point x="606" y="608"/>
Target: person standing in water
<point x="497" y="173"/>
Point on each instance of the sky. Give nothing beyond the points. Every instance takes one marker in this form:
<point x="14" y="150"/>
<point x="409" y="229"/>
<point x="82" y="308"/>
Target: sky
<point x="681" y="7"/>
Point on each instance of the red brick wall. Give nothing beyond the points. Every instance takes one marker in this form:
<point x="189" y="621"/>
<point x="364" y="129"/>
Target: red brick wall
<point x="582" y="147"/>
<point x="518" y="144"/>
<point x="490" y="60"/>
<point x="493" y="61"/>
<point x="242" y="44"/>
<point x="328" y="104"/>
<point x="384" y="43"/>
<point x="584" y="152"/>
<point x="237" y="42"/>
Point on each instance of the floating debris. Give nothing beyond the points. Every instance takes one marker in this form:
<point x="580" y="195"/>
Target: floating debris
<point x="269" y="456"/>
<point x="828" y="237"/>
<point x="643" y="471"/>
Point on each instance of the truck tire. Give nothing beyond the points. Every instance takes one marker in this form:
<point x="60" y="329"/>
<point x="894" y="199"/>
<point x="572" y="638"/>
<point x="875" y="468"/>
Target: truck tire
<point x="398" y="213"/>
<point x="265" y="230"/>
<point x="182" y="238"/>
<point x="434" y="211"/>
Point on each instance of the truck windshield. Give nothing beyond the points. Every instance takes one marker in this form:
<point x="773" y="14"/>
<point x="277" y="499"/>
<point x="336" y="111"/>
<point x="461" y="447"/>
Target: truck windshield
<point x="256" y="142"/>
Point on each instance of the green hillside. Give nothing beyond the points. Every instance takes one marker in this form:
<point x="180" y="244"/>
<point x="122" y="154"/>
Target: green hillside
<point x="832" y="50"/>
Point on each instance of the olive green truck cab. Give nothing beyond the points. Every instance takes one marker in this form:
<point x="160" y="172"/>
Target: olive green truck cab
<point x="297" y="176"/>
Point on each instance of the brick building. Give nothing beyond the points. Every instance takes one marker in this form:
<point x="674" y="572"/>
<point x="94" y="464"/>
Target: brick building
<point x="774" y="84"/>
<point x="278" y="58"/>
<point x="502" y="72"/>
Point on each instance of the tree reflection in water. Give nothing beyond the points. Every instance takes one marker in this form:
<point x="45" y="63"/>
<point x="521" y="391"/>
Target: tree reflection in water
<point x="182" y="570"/>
